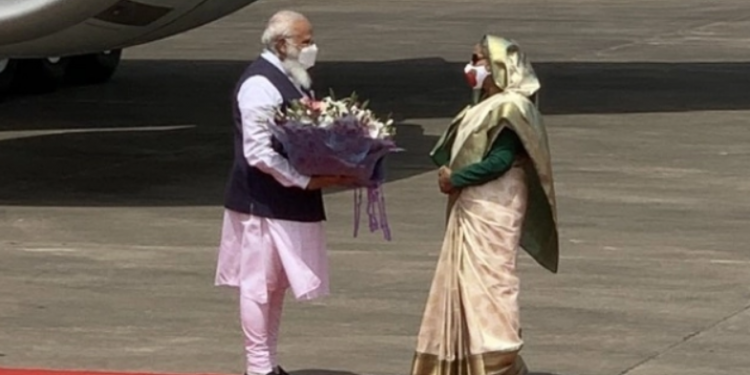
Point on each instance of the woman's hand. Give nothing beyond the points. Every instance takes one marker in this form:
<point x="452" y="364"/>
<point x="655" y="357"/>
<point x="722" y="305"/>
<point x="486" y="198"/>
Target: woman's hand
<point x="444" y="180"/>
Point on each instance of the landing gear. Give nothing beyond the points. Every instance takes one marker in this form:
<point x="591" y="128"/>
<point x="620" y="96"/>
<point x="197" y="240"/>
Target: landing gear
<point x="35" y="76"/>
<point x="41" y="75"/>
<point x="94" y="68"/>
<point x="7" y="74"/>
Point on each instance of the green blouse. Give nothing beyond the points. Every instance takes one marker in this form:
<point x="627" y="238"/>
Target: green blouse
<point x="497" y="161"/>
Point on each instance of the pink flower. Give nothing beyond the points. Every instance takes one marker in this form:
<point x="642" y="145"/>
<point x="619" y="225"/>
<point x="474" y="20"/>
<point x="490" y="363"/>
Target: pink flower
<point x="313" y="105"/>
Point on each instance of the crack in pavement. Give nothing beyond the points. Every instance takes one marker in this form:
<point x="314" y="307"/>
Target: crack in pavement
<point x="658" y="37"/>
<point x="685" y="340"/>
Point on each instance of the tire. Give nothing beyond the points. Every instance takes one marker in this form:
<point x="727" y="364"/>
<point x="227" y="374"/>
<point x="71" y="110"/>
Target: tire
<point x="7" y="75"/>
<point x="94" y="68"/>
<point x="41" y="75"/>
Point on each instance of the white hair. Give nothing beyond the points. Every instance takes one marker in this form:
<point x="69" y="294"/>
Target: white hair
<point x="280" y="26"/>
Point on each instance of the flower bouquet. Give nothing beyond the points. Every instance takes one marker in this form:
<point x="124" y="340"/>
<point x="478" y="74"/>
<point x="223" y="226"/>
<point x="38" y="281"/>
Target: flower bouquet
<point x="339" y="137"/>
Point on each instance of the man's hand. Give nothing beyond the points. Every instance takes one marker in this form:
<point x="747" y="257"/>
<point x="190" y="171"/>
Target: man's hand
<point x="444" y="180"/>
<point x="322" y="182"/>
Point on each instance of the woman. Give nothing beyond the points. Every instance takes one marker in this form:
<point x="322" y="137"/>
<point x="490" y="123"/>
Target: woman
<point x="495" y="166"/>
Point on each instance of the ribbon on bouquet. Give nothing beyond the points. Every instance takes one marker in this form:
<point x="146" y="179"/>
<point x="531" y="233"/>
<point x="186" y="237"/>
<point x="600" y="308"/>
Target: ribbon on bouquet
<point x="376" y="214"/>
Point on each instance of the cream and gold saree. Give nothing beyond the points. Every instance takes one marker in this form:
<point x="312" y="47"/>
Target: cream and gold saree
<point x="471" y="323"/>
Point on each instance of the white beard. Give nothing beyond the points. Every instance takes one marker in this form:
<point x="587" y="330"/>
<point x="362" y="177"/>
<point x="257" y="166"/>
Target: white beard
<point x="298" y="72"/>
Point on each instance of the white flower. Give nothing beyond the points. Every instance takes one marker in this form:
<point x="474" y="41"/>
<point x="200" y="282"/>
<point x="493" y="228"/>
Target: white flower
<point x="326" y="121"/>
<point x="374" y="130"/>
<point x="328" y="113"/>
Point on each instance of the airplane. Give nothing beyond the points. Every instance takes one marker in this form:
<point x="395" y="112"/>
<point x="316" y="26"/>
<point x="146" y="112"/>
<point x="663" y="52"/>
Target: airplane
<point x="47" y="42"/>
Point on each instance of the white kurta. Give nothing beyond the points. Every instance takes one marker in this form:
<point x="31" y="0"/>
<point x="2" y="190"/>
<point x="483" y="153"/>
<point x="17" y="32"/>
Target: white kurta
<point x="260" y="254"/>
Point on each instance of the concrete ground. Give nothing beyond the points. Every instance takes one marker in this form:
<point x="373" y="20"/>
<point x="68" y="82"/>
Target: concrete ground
<point x="110" y="197"/>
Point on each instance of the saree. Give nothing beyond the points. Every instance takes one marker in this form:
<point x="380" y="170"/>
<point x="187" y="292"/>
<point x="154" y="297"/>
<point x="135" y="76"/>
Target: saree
<point x="471" y="322"/>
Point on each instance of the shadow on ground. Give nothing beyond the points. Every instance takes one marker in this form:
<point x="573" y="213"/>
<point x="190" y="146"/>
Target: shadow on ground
<point x="336" y="372"/>
<point x="120" y="154"/>
<point x="321" y="372"/>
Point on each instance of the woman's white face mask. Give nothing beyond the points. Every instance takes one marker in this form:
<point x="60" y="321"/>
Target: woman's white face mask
<point x="475" y="75"/>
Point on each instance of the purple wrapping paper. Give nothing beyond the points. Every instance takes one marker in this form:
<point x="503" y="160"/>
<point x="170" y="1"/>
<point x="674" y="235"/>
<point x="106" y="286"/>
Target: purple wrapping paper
<point x="343" y="149"/>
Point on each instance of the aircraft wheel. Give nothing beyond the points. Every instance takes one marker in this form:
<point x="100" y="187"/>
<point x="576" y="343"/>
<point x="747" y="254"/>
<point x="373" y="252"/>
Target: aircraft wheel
<point x="41" y="75"/>
<point x="94" y="68"/>
<point x="7" y="73"/>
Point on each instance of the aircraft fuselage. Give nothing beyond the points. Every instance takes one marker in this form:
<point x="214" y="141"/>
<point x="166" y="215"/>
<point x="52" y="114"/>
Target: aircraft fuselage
<point x="51" y="34"/>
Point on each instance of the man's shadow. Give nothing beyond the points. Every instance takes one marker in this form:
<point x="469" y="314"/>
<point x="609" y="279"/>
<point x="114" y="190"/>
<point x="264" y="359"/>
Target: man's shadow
<point x="338" y="372"/>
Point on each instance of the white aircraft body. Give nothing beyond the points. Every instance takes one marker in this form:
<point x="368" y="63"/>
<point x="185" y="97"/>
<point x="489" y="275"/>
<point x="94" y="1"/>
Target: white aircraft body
<point x="44" y="42"/>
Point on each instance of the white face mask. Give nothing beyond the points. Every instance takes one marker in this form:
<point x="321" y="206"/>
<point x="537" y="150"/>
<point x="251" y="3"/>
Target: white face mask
<point x="475" y="75"/>
<point x="308" y="55"/>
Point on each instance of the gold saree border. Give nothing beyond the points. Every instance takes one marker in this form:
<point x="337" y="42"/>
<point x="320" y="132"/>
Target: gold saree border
<point x="493" y="363"/>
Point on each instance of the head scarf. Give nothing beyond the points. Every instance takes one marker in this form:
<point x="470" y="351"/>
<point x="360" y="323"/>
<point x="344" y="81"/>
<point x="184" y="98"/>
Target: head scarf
<point x="511" y="70"/>
<point x="471" y="133"/>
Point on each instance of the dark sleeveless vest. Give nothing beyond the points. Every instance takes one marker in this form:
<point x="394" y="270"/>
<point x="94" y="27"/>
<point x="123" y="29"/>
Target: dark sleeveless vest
<point x="254" y="192"/>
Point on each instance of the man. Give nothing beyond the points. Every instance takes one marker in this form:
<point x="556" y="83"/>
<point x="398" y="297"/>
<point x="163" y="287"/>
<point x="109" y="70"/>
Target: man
<point x="273" y="235"/>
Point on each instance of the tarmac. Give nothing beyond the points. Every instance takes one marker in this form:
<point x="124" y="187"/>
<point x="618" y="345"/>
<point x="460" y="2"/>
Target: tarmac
<point x="110" y="196"/>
